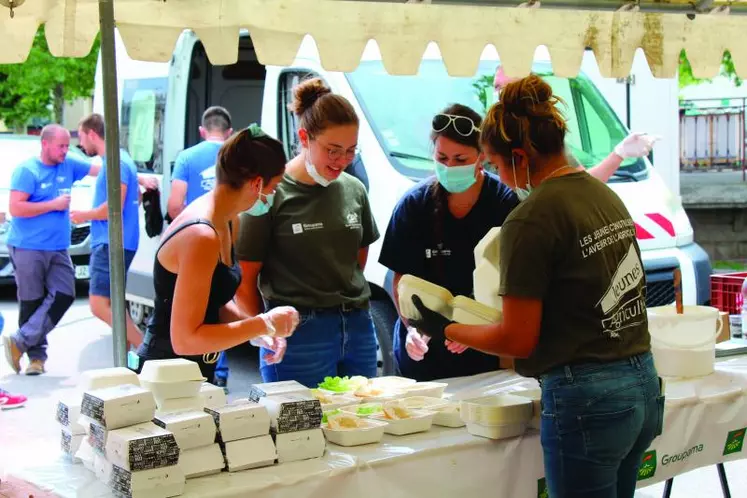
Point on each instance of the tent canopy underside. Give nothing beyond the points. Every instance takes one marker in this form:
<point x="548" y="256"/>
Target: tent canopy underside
<point x="341" y="29"/>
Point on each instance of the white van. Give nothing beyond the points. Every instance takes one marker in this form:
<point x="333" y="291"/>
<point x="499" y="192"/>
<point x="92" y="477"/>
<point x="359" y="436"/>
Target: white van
<point x="161" y="107"/>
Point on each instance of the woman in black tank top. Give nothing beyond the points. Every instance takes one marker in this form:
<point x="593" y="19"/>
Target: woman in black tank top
<point x="195" y="272"/>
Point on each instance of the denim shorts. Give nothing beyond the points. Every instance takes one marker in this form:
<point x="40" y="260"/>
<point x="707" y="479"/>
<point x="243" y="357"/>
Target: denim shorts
<point x="326" y="343"/>
<point x="598" y="419"/>
<point x="100" y="278"/>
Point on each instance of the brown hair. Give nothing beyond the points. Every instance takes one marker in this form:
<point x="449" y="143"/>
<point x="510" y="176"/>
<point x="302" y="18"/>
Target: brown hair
<point x="525" y="118"/>
<point x="95" y="123"/>
<point x="244" y="157"/>
<point x="216" y="118"/>
<point x="318" y="108"/>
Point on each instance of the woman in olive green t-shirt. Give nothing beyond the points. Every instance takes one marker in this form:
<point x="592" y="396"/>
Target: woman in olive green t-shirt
<point x="574" y="303"/>
<point x="310" y="250"/>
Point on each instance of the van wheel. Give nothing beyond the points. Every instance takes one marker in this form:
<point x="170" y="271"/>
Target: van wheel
<point x="139" y="314"/>
<point x="384" y="317"/>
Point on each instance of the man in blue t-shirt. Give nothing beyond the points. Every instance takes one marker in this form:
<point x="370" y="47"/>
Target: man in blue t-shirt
<point x="92" y="138"/>
<point x="38" y="242"/>
<point x="194" y="168"/>
<point x="194" y="175"/>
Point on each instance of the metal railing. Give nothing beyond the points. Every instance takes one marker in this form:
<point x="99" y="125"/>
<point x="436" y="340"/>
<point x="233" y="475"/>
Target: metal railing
<point x="713" y="135"/>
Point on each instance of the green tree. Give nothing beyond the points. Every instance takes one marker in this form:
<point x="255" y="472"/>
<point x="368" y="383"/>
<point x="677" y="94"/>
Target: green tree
<point x="39" y="87"/>
<point x="727" y="70"/>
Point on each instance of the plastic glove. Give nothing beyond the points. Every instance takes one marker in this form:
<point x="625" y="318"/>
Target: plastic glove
<point x="455" y="347"/>
<point x="281" y="321"/>
<point x="431" y="323"/>
<point x="636" y="145"/>
<point x="416" y="345"/>
<point x="277" y="346"/>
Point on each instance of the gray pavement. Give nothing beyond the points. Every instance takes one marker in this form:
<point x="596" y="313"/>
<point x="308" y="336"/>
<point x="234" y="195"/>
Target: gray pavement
<point x="30" y="434"/>
<point x="713" y="189"/>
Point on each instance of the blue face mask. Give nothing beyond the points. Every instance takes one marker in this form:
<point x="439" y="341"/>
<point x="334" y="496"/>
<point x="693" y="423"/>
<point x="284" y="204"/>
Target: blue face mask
<point x="455" y="179"/>
<point x="262" y="207"/>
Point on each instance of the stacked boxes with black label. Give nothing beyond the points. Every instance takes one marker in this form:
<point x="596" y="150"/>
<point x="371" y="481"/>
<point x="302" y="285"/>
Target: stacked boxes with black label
<point x="195" y="434"/>
<point x="72" y="432"/>
<point x="244" y="435"/>
<point x="175" y="384"/>
<point x="132" y="455"/>
<point x="296" y="420"/>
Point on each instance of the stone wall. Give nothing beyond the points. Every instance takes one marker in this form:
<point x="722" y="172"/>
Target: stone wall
<point x="721" y="231"/>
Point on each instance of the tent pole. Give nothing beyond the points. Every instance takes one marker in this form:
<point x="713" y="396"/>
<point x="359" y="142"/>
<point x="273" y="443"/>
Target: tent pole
<point x="113" y="185"/>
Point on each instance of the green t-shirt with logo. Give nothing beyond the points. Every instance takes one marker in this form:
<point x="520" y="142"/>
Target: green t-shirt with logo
<point x="572" y="244"/>
<point x="308" y="243"/>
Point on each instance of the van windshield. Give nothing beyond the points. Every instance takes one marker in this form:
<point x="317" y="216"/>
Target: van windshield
<point x="400" y="110"/>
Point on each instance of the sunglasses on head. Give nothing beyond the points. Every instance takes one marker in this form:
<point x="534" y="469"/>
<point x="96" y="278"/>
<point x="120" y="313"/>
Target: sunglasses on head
<point x="462" y="124"/>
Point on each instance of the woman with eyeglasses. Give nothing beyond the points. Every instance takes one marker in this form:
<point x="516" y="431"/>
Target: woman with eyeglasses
<point x="432" y="235"/>
<point x="310" y="250"/>
<point x="574" y="303"/>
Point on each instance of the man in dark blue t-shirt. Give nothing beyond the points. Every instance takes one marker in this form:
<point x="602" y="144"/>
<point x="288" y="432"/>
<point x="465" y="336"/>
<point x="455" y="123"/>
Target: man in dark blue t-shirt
<point x="91" y="133"/>
<point x="38" y="242"/>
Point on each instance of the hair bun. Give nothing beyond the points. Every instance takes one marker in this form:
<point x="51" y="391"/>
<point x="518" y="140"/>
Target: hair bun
<point x="307" y="93"/>
<point x="530" y="96"/>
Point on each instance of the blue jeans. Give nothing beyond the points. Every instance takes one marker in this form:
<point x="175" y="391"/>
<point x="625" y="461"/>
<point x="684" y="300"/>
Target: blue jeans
<point x="100" y="282"/>
<point x="326" y="343"/>
<point x="598" y="419"/>
<point x="221" y="368"/>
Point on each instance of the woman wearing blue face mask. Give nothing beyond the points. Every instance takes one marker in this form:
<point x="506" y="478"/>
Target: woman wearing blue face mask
<point x="196" y="273"/>
<point x="432" y="235"/>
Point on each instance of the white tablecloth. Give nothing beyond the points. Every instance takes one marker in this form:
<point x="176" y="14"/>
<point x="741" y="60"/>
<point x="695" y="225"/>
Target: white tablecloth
<point x="704" y="424"/>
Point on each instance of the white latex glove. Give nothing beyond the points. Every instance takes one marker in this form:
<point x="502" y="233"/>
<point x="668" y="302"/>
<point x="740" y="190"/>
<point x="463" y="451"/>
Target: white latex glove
<point x="277" y="345"/>
<point x="636" y="145"/>
<point x="416" y="344"/>
<point x="455" y="347"/>
<point x="281" y="321"/>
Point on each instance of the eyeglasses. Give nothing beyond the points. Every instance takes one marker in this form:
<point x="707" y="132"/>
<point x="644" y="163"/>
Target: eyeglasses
<point x="462" y="124"/>
<point x="335" y="153"/>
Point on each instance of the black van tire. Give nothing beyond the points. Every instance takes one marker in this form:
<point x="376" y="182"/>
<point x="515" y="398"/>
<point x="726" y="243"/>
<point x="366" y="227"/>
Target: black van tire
<point x="384" y="317"/>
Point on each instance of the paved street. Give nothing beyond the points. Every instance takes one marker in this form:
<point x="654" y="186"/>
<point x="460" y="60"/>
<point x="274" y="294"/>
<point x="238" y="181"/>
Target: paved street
<point x="81" y="342"/>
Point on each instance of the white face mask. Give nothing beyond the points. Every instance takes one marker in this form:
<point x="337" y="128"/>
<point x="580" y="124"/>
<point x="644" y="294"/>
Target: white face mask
<point x="521" y="193"/>
<point x="314" y="173"/>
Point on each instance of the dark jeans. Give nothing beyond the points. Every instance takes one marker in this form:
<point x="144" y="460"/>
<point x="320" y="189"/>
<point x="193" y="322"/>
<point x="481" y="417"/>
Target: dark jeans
<point x="598" y="419"/>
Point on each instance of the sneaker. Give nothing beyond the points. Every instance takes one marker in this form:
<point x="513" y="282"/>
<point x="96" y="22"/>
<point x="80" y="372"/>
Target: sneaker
<point x="12" y="353"/>
<point x="9" y="401"/>
<point x="36" y="367"/>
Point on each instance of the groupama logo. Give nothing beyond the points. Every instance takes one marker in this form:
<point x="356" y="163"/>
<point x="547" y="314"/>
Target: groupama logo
<point x="734" y="441"/>
<point x="647" y="469"/>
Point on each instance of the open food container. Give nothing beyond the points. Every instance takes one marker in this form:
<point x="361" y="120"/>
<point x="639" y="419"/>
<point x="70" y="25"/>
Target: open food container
<point x="334" y="401"/>
<point x="424" y="403"/>
<point x="391" y="382"/>
<point x="414" y="421"/>
<point x="427" y="389"/>
<point x="469" y="312"/>
<point x="448" y="416"/>
<point x="497" y="417"/>
<point x="433" y="296"/>
<point x="364" y="410"/>
<point x="348" y="430"/>
<point x="342" y="385"/>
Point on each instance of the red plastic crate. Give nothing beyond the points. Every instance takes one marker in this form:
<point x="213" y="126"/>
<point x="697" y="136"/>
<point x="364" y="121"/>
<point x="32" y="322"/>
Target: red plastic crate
<point x="726" y="292"/>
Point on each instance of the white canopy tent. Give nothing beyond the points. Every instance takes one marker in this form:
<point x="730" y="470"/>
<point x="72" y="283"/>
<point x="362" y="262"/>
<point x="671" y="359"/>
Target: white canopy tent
<point x="613" y="29"/>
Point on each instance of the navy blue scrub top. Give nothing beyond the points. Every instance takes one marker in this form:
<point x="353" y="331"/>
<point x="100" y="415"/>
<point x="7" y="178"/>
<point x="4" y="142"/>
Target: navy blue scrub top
<point x="442" y="252"/>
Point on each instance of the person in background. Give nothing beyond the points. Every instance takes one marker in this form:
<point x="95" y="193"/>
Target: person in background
<point x="309" y="251"/>
<point x="194" y="175"/>
<point x="38" y="244"/>
<point x="196" y="274"/>
<point x="573" y="317"/>
<point x="8" y="400"/>
<point x="432" y="235"/>
<point x="633" y="146"/>
<point x="92" y="136"/>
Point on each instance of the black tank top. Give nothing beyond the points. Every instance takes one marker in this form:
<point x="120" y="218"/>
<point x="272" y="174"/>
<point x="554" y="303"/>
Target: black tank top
<point x="223" y="286"/>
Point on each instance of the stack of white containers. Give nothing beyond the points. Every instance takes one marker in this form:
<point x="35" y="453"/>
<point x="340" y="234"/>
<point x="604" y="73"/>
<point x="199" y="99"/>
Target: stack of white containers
<point x="295" y="416"/>
<point x="244" y="435"/>
<point x="176" y="384"/>
<point x="132" y="455"/>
